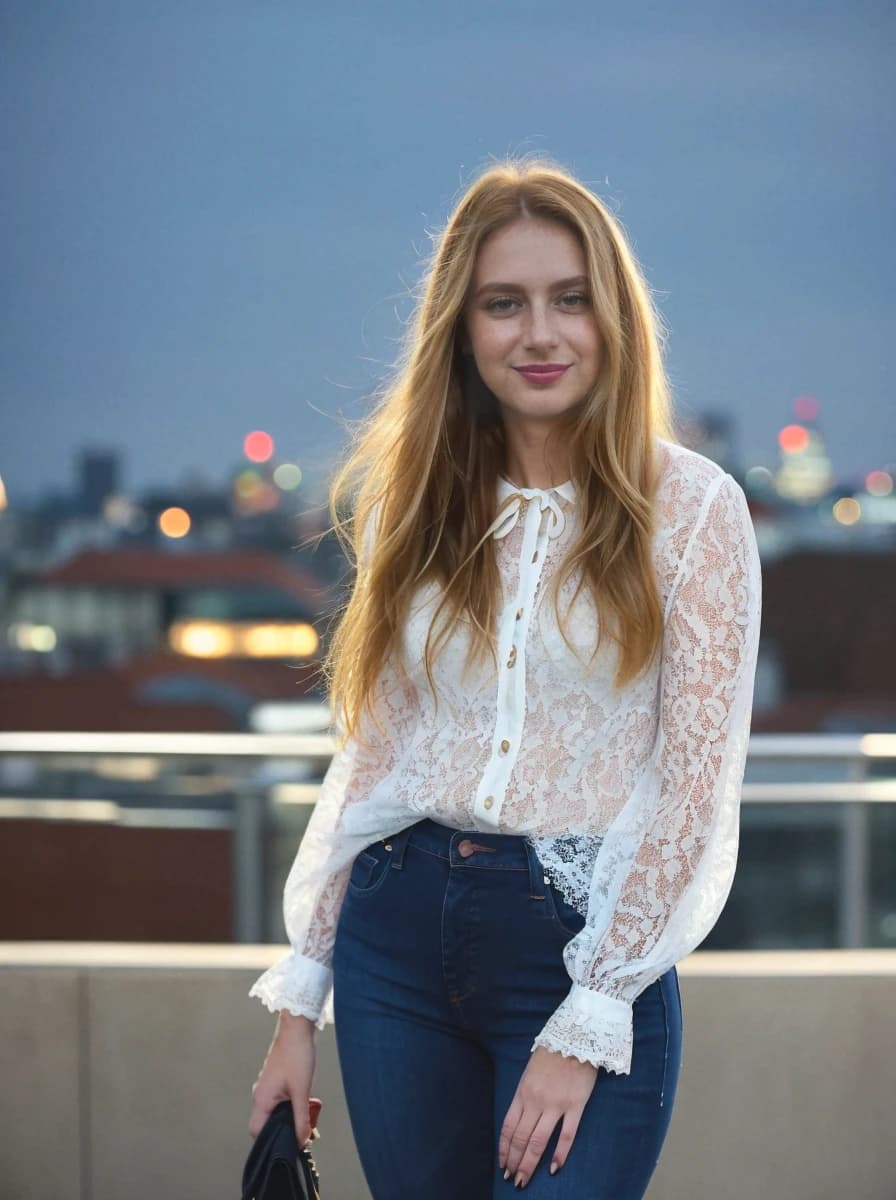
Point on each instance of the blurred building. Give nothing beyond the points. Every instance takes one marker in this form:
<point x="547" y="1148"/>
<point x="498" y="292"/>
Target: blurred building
<point x="827" y="639"/>
<point x="99" y="473"/>
<point x="144" y="639"/>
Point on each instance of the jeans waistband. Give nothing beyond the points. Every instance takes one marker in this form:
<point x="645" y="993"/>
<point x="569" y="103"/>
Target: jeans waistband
<point x="470" y="849"/>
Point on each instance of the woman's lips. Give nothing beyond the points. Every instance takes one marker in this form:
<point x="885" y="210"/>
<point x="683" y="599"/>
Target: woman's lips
<point x="548" y="373"/>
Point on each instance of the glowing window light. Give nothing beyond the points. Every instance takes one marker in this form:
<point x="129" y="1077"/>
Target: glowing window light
<point x="174" y="522"/>
<point x="879" y="483"/>
<point x="280" y="641"/>
<point x="43" y="638"/>
<point x="236" y="639"/>
<point x="258" y="446"/>
<point x="25" y="636"/>
<point x="202" y="639"/>
<point x="793" y="439"/>
<point x="847" y="511"/>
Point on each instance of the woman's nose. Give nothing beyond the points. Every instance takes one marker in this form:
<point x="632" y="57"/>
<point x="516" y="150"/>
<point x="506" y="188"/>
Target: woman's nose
<point x="541" y="329"/>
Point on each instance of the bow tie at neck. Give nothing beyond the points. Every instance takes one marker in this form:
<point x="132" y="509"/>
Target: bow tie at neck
<point x="511" y="500"/>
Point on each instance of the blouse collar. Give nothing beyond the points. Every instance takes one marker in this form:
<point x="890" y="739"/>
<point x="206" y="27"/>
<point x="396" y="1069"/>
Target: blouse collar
<point x="506" y="488"/>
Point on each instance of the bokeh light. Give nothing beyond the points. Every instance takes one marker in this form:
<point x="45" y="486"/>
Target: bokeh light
<point x="258" y="446"/>
<point x="247" y="484"/>
<point x="805" y="408"/>
<point x="759" y="479"/>
<point x="847" y="511"/>
<point x="119" y="510"/>
<point x="288" y="476"/>
<point x="793" y="439"/>
<point x="174" y="522"/>
<point x="879" y="483"/>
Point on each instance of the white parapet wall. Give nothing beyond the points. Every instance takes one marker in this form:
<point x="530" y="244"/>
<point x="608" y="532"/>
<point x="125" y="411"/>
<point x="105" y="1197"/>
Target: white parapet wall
<point x="127" y="1071"/>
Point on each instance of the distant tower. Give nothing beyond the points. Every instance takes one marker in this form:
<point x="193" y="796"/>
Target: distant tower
<point x="98" y="478"/>
<point x="805" y="474"/>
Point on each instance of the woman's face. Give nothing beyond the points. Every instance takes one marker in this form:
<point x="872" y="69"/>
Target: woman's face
<point x="529" y="305"/>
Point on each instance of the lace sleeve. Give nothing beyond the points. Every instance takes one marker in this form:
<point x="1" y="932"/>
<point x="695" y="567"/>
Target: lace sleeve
<point x="665" y="867"/>
<point x="315" y="887"/>
<point x="301" y="982"/>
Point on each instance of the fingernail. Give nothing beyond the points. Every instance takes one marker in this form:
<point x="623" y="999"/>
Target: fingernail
<point x="506" y="1173"/>
<point x="518" y="1182"/>
<point x="554" y="1168"/>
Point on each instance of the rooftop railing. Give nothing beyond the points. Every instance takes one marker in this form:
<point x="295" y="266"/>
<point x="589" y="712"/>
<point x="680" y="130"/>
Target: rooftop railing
<point x="817" y="866"/>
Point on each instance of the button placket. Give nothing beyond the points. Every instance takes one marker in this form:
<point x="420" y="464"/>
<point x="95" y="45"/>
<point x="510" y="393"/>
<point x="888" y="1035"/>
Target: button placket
<point x="512" y="636"/>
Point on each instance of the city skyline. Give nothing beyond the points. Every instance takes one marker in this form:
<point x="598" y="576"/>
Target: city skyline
<point x="215" y="218"/>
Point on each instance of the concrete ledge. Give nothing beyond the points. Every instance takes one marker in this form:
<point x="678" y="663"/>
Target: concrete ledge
<point x="202" y="956"/>
<point x="135" y="1063"/>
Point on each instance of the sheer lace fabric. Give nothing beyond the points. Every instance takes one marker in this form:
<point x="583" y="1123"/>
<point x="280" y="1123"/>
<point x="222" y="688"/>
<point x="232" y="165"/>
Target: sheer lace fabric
<point x="630" y="797"/>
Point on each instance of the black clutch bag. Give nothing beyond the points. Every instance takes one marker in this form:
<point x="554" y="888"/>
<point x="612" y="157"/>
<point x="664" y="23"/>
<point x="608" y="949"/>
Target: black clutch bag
<point x="277" y="1169"/>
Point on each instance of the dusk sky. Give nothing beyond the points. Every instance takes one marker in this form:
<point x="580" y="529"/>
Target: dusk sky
<point x="213" y="213"/>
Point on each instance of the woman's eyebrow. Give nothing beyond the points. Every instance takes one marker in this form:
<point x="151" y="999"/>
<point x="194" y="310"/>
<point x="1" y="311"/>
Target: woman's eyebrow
<point x="575" y="281"/>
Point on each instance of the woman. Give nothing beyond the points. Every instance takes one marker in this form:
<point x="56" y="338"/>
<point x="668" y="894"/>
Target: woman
<point x="544" y="678"/>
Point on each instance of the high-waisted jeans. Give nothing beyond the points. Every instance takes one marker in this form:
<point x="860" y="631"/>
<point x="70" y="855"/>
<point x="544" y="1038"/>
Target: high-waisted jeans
<point x="448" y="961"/>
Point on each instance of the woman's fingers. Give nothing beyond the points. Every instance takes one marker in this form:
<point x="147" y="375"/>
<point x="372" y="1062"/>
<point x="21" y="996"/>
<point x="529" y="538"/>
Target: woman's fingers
<point x="262" y="1105"/>
<point x="507" y="1130"/>
<point x="571" y="1120"/>
<point x="529" y="1143"/>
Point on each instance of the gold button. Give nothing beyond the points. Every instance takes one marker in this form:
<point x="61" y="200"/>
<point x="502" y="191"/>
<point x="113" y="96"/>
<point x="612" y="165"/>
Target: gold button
<point x="387" y="845"/>
<point x="512" y="659"/>
<point x="488" y="801"/>
<point x="505" y="745"/>
<point x="519" y="613"/>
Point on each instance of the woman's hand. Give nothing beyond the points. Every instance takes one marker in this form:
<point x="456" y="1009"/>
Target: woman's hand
<point x="552" y="1086"/>
<point x="286" y="1074"/>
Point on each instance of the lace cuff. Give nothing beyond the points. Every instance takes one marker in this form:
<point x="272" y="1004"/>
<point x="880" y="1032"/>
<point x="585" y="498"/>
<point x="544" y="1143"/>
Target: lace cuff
<point x="593" y="1028"/>
<point x="299" y="985"/>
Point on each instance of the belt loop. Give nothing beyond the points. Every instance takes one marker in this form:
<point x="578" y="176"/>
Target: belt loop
<point x="536" y="872"/>
<point x="399" y="842"/>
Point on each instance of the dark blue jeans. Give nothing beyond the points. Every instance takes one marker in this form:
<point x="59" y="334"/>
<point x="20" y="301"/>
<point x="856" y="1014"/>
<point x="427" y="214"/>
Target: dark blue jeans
<point x="447" y="963"/>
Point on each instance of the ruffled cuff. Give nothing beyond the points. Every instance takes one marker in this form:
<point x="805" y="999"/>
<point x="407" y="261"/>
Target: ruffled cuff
<point x="299" y="985"/>
<point x="593" y="1028"/>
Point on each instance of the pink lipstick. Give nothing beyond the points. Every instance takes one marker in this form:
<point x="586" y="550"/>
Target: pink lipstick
<point x="542" y="373"/>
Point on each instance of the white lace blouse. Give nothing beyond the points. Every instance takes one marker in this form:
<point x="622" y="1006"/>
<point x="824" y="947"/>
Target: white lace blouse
<point x="630" y="797"/>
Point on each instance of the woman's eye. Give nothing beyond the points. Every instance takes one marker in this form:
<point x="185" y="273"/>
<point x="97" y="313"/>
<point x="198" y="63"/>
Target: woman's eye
<point x="576" y="297"/>
<point x="497" y="305"/>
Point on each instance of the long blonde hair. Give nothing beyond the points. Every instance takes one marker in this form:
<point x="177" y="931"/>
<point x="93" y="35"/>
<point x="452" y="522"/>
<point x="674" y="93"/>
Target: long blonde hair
<point x="423" y="466"/>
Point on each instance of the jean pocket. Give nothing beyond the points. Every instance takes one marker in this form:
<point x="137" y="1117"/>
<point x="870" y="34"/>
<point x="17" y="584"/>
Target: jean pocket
<point x="567" y="918"/>
<point x="370" y="869"/>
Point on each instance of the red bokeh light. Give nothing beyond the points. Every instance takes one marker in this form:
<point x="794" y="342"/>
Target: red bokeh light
<point x="805" y="408"/>
<point x="258" y="446"/>
<point x="793" y="438"/>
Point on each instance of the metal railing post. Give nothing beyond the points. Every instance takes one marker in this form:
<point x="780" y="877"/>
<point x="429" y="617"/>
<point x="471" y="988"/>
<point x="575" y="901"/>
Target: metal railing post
<point x="854" y="866"/>
<point x="249" y="827"/>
